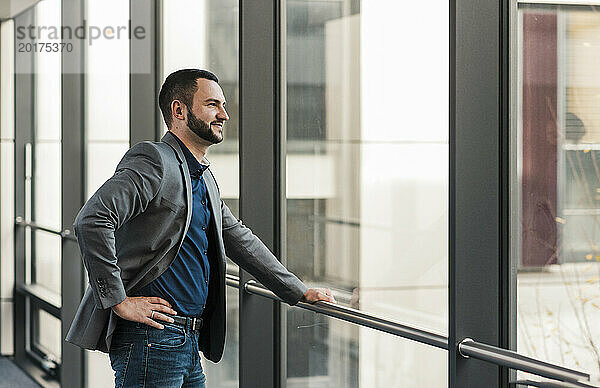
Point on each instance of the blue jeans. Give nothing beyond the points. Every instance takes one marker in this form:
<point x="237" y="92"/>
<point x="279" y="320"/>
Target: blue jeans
<point x="143" y="356"/>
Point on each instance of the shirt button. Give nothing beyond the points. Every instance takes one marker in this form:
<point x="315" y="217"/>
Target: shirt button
<point x="205" y="252"/>
<point x="204" y="228"/>
<point x="202" y="202"/>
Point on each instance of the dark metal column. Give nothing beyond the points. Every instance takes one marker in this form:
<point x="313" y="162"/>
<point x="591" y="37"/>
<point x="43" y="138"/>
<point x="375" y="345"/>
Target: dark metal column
<point x="144" y="67"/>
<point x="260" y="183"/>
<point x="73" y="194"/>
<point x="479" y="265"/>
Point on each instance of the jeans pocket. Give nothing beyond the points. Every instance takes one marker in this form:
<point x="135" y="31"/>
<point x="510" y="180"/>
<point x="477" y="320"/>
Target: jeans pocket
<point x="171" y="337"/>
<point x="119" y="361"/>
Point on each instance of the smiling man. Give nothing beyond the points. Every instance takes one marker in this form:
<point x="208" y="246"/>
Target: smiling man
<point x="154" y="239"/>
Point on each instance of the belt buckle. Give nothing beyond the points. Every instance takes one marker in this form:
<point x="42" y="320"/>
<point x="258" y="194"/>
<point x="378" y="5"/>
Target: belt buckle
<point x="193" y="323"/>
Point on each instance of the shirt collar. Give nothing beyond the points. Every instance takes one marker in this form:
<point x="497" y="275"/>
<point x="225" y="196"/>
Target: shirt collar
<point x="196" y="168"/>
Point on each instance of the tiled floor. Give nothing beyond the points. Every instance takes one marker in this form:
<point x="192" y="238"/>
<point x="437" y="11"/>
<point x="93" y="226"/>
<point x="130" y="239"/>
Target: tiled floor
<point x="13" y="376"/>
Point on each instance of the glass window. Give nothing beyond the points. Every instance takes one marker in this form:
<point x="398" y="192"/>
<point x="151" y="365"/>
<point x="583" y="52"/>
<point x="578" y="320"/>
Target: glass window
<point x="48" y="335"/>
<point x="367" y="180"/>
<point x="334" y="353"/>
<point x="7" y="185"/>
<point x="46" y="155"/>
<point x="47" y="270"/>
<point x="107" y="94"/>
<point x="38" y="88"/>
<point x="556" y="194"/>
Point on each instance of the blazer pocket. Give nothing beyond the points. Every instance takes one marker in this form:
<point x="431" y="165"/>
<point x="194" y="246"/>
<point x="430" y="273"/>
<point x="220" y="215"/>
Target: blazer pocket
<point x="170" y="205"/>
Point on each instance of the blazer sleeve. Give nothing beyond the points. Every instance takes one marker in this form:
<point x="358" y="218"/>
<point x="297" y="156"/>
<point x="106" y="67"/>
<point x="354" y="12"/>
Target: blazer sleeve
<point x="250" y="253"/>
<point x="137" y="180"/>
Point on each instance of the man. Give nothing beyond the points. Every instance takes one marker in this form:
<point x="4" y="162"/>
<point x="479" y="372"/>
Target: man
<point x="154" y="239"/>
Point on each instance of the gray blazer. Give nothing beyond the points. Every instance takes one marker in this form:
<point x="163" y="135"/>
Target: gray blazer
<point x="131" y="229"/>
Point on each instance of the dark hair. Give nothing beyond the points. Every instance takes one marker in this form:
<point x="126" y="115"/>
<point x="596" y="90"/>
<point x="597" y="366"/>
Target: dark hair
<point x="181" y="85"/>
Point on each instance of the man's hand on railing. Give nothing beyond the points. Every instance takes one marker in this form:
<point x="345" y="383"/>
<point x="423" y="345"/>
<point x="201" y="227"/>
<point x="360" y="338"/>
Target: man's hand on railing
<point x="315" y="294"/>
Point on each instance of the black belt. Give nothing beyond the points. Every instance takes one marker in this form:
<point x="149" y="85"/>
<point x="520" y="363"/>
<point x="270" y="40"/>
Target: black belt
<point x="192" y="323"/>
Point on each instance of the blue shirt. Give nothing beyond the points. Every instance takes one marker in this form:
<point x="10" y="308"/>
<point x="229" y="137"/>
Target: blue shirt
<point x="185" y="283"/>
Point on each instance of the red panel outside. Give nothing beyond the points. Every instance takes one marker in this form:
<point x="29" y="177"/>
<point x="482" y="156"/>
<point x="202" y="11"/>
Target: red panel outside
<point x="539" y="195"/>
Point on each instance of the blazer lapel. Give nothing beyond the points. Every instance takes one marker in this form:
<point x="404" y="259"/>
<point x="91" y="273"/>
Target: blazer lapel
<point x="215" y="200"/>
<point x="213" y="196"/>
<point x="185" y="171"/>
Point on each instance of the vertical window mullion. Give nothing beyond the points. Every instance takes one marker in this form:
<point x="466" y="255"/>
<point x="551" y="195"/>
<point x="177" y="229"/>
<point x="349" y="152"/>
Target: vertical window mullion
<point x="72" y="190"/>
<point x="259" y="184"/>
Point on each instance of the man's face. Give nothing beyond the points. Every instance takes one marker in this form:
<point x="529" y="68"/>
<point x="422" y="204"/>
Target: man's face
<point x="207" y="115"/>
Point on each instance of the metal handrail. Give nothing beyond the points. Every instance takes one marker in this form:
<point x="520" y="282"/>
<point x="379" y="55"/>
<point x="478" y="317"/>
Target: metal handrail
<point x="232" y="280"/>
<point x="508" y="358"/>
<point x="550" y="384"/>
<point x="19" y="221"/>
<point x="467" y="348"/>
<point x="350" y="315"/>
<point x="358" y="317"/>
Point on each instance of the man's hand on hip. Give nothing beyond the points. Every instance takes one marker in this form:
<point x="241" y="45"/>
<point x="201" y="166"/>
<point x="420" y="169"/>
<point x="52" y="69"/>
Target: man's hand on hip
<point x="145" y="310"/>
<point x="316" y="294"/>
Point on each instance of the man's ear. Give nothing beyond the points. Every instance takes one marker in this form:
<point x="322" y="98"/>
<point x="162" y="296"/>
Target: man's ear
<point x="178" y="110"/>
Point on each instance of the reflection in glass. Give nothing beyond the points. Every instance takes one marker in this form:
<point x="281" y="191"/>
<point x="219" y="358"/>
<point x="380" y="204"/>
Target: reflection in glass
<point x="557" y="190"/>
<point x="367" y="176"/>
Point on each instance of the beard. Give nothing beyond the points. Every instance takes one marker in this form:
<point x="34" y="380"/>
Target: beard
<point x="202" y="129"/>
